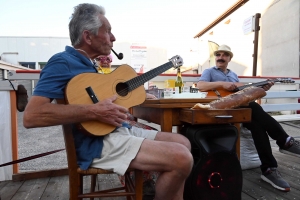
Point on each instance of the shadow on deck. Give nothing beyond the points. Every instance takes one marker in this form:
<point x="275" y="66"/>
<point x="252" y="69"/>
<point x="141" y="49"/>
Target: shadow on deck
<point x="253" y="186"/>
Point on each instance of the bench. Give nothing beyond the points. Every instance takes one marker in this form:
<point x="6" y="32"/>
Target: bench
<point x="292" y="107"/>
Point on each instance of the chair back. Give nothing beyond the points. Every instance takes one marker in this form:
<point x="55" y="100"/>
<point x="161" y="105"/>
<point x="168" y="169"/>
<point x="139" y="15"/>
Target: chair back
<point x="70" y="147"/>
<point x="132" y="190"/>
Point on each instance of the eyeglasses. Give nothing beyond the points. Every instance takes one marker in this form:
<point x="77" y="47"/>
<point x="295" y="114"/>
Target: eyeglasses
<point x="104" y="59"/>
<point x="225" y="54"/>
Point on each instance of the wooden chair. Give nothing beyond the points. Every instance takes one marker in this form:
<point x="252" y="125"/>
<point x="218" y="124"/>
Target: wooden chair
<point x="130" y="190"/>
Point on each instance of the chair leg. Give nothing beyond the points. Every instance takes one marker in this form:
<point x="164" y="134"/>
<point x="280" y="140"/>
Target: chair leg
<point x="129" y="185"/>
<point x="93" y="184"/>
<point x="80" y="189"/>
<point x="75" y="185"/>
<point x="138" y="184"/>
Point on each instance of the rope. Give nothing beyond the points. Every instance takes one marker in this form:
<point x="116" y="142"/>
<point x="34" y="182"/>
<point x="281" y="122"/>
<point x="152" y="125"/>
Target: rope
<point x="30" y="157"/>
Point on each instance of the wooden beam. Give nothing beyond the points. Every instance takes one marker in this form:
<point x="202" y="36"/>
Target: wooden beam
<point x="39" y="174"/>
<point x="14" y="129"/>
<point x="232" y="9"/>
<point x="256" y="34"/>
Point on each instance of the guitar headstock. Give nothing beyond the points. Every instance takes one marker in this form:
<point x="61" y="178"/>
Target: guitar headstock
<point x="284" y="80"/>
<point x="177" y="61"/>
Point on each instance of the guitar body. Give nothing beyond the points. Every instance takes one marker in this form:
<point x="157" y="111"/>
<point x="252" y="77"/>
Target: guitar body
<point x="214" y="93"/>
<point x="104" y="86"/>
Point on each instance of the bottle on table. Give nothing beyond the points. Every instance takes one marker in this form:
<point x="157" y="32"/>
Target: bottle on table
<point x="178" y="82"/>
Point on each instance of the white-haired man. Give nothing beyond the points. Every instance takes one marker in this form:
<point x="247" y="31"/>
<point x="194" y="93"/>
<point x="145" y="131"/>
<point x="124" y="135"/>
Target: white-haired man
<point x="148" y="150"/>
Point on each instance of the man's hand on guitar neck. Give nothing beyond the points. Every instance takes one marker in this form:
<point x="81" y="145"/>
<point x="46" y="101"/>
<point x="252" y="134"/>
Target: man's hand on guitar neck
<point x="107" y="111"/>
<point x="229" y="86"/>
<point x="268" y="86"/>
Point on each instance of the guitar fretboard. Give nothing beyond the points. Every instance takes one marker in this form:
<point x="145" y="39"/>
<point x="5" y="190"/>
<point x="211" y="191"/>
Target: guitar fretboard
<point x="140" y="80"/>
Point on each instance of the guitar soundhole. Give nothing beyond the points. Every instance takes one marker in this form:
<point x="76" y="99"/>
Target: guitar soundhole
<point x="122" y="89"/>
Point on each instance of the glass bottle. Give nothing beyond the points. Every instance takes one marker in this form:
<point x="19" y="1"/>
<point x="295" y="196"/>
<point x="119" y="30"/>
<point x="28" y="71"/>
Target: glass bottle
<point x="178" y="82"/>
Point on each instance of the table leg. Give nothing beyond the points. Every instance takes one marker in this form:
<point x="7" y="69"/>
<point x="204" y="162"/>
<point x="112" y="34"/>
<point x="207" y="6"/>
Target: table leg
<point x="166" y="122"/>
<point x="237" y="147"/>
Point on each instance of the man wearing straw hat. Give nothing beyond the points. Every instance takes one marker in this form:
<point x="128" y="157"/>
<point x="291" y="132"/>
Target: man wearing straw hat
<point x="262" y="124"/>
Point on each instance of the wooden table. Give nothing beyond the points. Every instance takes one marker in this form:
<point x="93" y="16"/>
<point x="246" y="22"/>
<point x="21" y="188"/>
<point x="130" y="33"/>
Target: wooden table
<point x="165" y="112"/>
<point x="174" y="112"/>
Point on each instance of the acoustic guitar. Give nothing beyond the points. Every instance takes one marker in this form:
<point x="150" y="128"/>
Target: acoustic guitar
<point x="222" y="93"/>
<point x="89" y="88"/>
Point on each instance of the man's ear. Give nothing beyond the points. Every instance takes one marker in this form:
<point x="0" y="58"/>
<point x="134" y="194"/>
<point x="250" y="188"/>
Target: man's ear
<point x="87" y="37"/>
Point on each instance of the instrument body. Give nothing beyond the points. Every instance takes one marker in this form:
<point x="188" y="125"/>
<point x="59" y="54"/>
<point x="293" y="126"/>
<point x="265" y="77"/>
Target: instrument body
<point x="89" y="88"/>
<point x="220" y="92"/>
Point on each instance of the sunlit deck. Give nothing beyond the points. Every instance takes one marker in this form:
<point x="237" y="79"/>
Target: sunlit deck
<point x="58" y="187"/>
<point x="253" y="186"/>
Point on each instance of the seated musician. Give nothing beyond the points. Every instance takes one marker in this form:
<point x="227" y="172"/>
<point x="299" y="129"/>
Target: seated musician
<point x="147" y="150"/>
<point x="104" y="67"/>
<point x="262" y="124"/>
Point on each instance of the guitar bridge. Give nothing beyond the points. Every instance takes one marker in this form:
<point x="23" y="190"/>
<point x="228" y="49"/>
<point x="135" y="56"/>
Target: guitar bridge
<point x="92" y="94"/>
<point x="217" y="93"/>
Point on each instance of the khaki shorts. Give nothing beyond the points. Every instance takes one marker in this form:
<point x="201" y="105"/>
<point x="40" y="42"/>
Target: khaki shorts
<point x="121" y="147"/>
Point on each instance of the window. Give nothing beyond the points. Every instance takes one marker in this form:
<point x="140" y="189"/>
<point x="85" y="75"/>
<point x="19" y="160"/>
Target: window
<point x="42" y="65"/>
<point x="30" y="65"/>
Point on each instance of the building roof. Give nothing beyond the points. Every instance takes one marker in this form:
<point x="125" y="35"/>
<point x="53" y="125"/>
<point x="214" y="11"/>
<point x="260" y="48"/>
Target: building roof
<point x="233" y="8"/>
<point x="9" y="66"/>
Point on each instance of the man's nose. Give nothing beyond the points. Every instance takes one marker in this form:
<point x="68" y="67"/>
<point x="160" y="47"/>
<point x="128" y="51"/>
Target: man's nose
<point x="112" y="38"/>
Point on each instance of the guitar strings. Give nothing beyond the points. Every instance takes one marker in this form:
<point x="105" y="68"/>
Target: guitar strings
<point x="135" y="83"/>
<point x="161" y="69"/>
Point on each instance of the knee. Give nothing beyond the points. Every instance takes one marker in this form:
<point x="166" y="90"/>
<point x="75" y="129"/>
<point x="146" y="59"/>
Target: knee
<point x="186" y="143"/>
<point x="184" y="161"/>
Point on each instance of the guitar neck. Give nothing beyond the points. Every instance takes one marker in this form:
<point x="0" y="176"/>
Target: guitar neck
<point x="258" y="84"/>
<point x="140" y="80"/>
<point x="221" y="92"/>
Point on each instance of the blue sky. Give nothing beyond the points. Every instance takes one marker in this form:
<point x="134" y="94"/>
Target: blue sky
<point x="170" y="24"/>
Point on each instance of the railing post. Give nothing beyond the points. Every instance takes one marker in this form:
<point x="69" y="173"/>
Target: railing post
<point x="256" y="34"/>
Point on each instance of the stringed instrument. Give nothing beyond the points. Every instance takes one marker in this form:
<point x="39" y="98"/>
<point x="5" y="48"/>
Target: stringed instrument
<point x="89" y="88"/>
<point x="222" y="92"/>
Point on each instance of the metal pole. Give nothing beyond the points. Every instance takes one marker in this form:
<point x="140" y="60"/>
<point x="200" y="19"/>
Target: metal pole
<point x="256" y="33"/>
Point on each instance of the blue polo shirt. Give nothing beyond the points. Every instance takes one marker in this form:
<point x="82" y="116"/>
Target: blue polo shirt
<point x="214" y="74"/>
<point x="53" y="79"/>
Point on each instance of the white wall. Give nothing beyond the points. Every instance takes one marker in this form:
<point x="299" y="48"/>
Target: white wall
<point x="155" y="56"/>
<point x="278" y="48"/>
<point x="280" y="39"/>
<point x="5" y="136"/>
<point x="40" y="49"/>
<point x="31" y="49"/>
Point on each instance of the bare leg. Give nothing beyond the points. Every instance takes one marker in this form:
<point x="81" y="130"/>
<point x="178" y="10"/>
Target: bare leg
<point x="170" y="155"/>
<point x="173" y="137"/>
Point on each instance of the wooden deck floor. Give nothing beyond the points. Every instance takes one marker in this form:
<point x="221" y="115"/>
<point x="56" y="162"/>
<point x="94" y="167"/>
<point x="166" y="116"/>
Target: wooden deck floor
<point x="253" y="186"/>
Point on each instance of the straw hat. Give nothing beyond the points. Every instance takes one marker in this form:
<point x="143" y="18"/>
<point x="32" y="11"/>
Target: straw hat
<point x="224" y="48"/>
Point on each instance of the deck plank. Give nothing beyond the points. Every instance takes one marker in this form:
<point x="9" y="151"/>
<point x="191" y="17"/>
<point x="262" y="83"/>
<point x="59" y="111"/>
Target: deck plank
<point x="56" y="189"/>
<point x="109" y="181"/>
<point x="10" y="189"/>
<point x="259" y="189"/>
<point x="245" y="196"/>
<point x="31" y="189"/>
